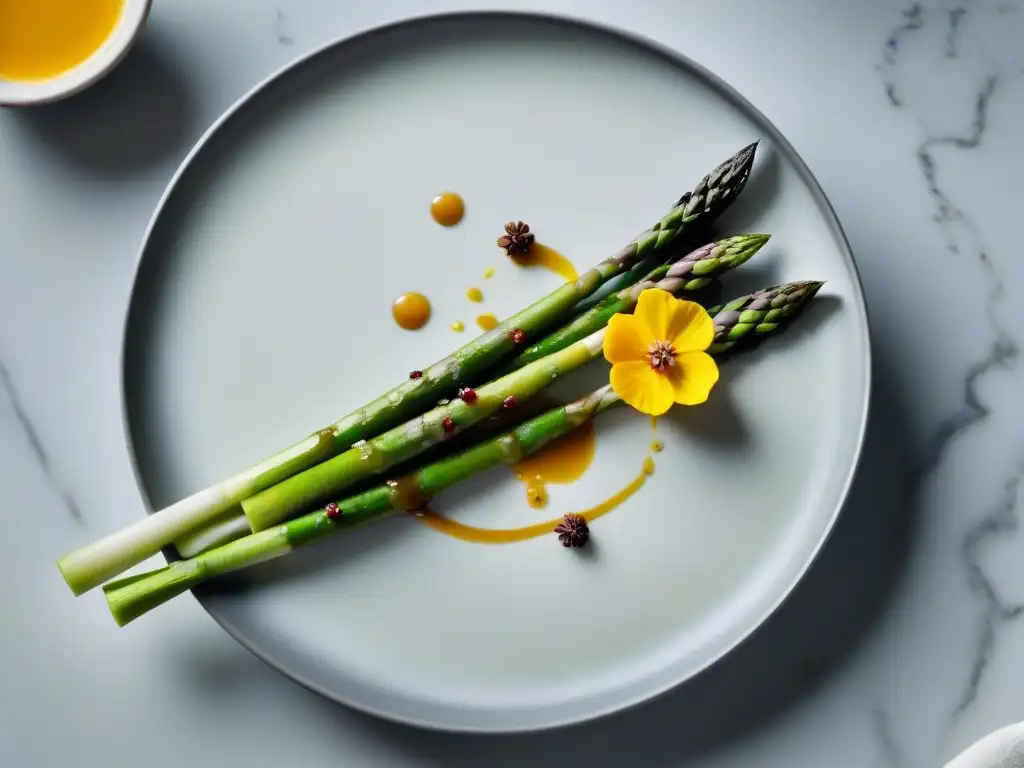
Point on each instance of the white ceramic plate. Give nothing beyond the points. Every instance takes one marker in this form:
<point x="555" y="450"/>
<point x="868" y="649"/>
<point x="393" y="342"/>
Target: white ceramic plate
<point x="261" y="311"/>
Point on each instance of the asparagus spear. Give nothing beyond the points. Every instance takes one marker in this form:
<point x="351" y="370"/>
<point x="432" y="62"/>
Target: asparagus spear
<point x="688" y="239"/>
<point x="93" y="564"/>
<point x="233" y="526"/>
<point x="299" y="492"/>
<point x="366" y="459"/>
<point x="131" y="597"/>
<point x="691" y="273"/>
<point x="759" y="313"/>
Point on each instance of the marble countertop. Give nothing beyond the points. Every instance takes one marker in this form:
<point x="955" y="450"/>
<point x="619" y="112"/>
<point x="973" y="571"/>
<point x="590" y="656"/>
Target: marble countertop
<point x="905" y="642"/>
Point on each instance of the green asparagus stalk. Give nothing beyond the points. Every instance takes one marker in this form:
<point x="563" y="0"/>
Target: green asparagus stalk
<point x="131" y="597"/>
<point x="691" y="273"/>
<point x="759" y="313"/>
<point x="299" y="492"/>
<point x="406" y="441"/>
<point x="689" y="239"/>
<point x="95" y="563"/>
<point x="235" y="524"/>
<point x="279" y="502"/>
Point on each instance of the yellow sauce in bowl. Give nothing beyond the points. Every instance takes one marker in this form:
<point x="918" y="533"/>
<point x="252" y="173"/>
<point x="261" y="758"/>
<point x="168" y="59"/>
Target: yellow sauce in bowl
<point x="40" y="39"/>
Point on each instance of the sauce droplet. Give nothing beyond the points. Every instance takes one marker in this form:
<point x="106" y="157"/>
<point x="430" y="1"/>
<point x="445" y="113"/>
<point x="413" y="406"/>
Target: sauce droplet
<point x="536" y="493"/>
<point x="471" y="533"/>
<point x="562" y="461"/>
<point x="487" y="322"/>
<point x="657" y="446"/>
<point x="488" y="273"/>
<point x="546" y="258"/>
<point x="405" y="494"/>
<point x="411" y="311"/>
<point x="458" y="327"/>
<point x="475" y="294"/>
<point x="447" y="209"/>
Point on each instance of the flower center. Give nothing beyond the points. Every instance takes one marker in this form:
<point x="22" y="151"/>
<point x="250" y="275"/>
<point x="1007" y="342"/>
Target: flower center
<point x="661" y="355"/>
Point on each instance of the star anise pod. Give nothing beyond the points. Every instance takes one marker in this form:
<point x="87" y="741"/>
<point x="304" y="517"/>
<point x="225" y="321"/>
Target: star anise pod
<point x="517" y="238"/>
<point x="573" y="531"/>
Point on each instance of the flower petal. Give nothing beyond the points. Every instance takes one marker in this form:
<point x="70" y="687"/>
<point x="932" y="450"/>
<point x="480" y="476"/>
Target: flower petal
<point x="686" y="325"/>
<point x="692" y="328"/>
<point x="625" y="341"/>
<point x="642" y="388"/>
<point x="692" y="378"/>
<point x="655" y="309"/>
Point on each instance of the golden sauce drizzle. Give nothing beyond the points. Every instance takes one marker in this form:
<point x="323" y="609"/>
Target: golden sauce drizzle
<point x="560" y="462"/>
<point x="447" y="209"/>
<point x="546" y="258"/>
<point x="459" y="530"/>
<point x="487" y="322"/>
<point x="458" y="327"/>
<point x="40" y="39"/>
<point x="475" y="294"/>
<point x="405" y="494"/>
<point x="411" y="311"/>
<point x="657" y="446"/>
<point x="488" y="273"/>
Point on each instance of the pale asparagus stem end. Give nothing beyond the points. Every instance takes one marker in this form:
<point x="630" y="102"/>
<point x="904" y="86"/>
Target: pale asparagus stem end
<point x="219" y="533"/>
<point x="95" y="563"/>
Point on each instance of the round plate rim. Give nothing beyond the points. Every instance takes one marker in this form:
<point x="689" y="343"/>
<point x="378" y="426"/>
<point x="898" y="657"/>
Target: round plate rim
<point x="676" y="58"/>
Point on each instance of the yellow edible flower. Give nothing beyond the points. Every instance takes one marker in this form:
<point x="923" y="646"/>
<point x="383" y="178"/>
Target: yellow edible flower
<point x="658" y="353"/>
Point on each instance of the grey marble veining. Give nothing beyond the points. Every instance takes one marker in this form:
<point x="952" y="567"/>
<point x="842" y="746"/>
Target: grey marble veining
<point x="35" y="445"/>
<point x="1001" y="521"/>
<point x="905" y="643"/>
<point x="992" y="71"/>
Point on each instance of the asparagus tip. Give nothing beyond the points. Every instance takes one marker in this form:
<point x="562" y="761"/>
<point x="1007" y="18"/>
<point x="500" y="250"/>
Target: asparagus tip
<point x="722" y="186"/>
<point x="739" y="165"/>
<point x="811" y="287"/>
<point x="746" y="155"/>
<point x="742" y="248"/>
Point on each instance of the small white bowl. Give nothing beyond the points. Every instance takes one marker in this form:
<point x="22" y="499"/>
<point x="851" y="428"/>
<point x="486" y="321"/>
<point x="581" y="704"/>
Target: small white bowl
<point x="15" y="93"/>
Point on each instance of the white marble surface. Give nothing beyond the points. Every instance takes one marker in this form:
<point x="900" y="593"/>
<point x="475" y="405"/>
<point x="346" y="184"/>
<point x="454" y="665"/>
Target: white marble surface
<point x="905" y="643"/>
